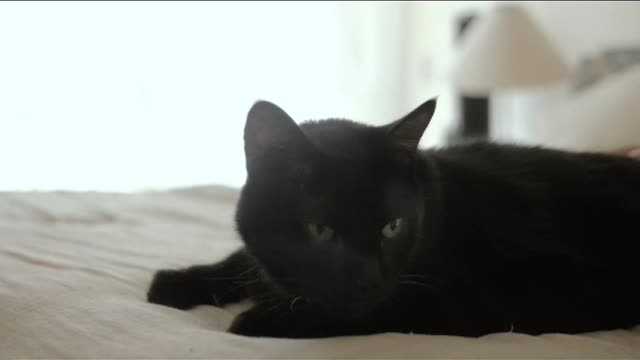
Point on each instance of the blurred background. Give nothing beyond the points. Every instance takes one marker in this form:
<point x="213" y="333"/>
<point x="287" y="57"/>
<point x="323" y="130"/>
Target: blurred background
<point x="129" y="96"/>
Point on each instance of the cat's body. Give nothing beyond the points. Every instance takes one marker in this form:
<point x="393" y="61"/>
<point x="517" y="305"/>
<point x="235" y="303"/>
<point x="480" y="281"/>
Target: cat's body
<point x="351" y="230"/>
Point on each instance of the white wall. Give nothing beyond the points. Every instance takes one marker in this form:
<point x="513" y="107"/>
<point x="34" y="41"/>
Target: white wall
<point x="581" y="28"/>
<point x="137" y="95"/>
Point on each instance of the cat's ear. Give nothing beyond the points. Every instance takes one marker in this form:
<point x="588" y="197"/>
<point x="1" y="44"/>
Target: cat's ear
<point x="408" y="131"/>
<point x="268" y="127"/>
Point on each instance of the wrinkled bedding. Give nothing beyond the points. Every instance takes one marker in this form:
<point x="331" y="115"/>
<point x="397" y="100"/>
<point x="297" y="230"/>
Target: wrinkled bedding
<point x="75" y="267"/>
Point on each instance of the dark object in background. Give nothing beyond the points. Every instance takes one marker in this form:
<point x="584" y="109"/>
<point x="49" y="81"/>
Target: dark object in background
<point x="475" y="117"/>
<point x="474" y="110"/>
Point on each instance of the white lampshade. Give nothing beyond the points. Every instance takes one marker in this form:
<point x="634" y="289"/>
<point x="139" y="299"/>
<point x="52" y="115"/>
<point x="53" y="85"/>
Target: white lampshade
<point x="504" y="49"/>
<point x="603" y="117"/>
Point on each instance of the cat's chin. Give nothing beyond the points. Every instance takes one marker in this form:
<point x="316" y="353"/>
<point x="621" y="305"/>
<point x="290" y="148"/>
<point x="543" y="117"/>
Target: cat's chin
<point x="338" y="308"/>
<point x="350" y="306"/>
<point x="348" y="311"/>
<point x="338" y="302"/>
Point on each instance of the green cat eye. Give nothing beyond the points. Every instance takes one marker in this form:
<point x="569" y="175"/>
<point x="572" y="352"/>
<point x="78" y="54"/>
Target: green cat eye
<point x="393" y="229"/>
<point x="320" y="233"/>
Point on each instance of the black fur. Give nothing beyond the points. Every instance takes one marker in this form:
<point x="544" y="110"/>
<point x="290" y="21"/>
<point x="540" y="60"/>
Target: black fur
<point x="496" y="237"/>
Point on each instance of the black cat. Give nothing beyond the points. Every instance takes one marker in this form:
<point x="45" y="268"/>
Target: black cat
<point x="350" y="229"/>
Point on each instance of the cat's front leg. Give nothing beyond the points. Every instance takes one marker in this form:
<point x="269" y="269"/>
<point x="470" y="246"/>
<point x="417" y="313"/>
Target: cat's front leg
<point x="218" y="284"/>
<point x="281" y="321"/>
<point x="278" y="322"/>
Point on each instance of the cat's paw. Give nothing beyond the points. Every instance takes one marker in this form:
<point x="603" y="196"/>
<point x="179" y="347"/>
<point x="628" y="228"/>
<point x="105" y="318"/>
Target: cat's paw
<point x="177" y="289"/>
<point x="261" y="322"/>
<point x="254" y="323"/>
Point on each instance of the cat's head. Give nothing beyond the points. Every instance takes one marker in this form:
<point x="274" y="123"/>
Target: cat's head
<point x="332" y="209"/>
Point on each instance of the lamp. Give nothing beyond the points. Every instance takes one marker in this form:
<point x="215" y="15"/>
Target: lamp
<point x="504" y="49"/>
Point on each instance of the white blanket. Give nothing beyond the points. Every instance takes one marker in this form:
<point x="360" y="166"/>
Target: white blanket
<point x="74" y="270"/>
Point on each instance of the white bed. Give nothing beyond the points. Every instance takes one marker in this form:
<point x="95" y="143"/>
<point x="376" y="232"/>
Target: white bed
<point x="75" y="267"/>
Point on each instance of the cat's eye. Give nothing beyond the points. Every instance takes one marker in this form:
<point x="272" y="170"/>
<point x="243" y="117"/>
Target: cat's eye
<point x="320" y="233"/>
<point x="393" y="228"/>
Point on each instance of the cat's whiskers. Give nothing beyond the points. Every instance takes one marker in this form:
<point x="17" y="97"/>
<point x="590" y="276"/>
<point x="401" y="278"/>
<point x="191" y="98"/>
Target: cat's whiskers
<point x="412" y="275"/>
<point x="247" y="274"/>
<point x="294" y="301"/>
<point x="418" y="283"/>
<point x="409" y="276"/>
<point x="261" y="295"/>
<point x="275" y="306"/>
<point x="253" y="267"/>
<point x="225" y="278"/>
<point x="420" y="278"/>
<point x="243" y="284"/>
